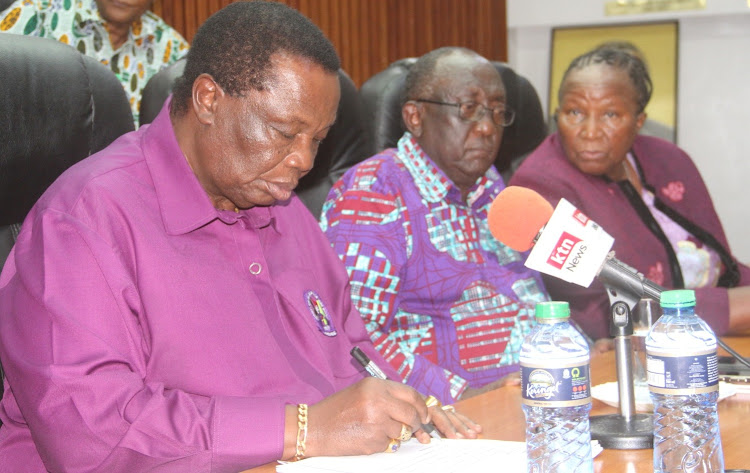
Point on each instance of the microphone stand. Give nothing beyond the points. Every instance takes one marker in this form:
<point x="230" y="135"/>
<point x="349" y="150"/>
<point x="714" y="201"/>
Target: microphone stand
<point x="626" y="430"/>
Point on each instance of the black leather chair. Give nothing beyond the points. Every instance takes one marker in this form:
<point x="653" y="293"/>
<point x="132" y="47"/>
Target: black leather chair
<point x="56" y="107"/>
<point x="345" y="145"/>
<point x="382" y="95"/>
<point x="157" y="90"/>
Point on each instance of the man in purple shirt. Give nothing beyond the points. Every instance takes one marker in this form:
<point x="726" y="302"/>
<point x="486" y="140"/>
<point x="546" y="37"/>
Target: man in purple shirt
<point x="170" y="305"/>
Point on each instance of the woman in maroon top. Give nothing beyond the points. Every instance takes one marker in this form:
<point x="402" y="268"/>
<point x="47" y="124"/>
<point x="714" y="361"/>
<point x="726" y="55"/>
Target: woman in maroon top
<point x="644" y="191"/>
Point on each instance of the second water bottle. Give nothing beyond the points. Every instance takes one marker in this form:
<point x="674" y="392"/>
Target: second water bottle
<point x="683" y="379"/>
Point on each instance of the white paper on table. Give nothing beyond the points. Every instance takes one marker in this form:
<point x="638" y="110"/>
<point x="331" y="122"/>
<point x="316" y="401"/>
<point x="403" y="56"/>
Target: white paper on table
<point x="609" y="394"/>
<point x="438" y="456"/>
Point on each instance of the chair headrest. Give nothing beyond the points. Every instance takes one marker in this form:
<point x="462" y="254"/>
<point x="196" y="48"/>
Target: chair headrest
<point x="57" y="107"/>
<point x="345" y="145"/>
<point x="157" y="89"/>
<point x="382" y="95"/>
<point x="529" y="128"/>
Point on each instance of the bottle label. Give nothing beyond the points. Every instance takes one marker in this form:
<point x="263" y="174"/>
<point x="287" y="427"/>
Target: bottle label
<point x="684" y="374"/>
<point x="561" y="386"/>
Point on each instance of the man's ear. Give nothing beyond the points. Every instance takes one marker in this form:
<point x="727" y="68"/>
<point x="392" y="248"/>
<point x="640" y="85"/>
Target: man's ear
<point x="411" y="113"/>
<point x="206" y="92"/>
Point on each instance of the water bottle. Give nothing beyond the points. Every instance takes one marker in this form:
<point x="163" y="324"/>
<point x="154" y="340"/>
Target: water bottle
<point x="683" y="379"/>
<point x="556" y="393"/>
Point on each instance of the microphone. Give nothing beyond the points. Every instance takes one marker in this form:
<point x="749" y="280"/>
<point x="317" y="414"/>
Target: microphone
<point x="517" y="216"/>
<point x="566" y="244"/>
<point x="570" y="246"/>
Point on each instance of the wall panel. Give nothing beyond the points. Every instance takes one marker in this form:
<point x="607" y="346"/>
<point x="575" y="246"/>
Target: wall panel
<point x="370" y="34"/>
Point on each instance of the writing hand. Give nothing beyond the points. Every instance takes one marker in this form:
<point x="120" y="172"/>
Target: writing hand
<point x="363" y="418"/>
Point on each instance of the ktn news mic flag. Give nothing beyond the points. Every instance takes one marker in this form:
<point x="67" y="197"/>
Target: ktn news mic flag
<point x="572" y="247"/>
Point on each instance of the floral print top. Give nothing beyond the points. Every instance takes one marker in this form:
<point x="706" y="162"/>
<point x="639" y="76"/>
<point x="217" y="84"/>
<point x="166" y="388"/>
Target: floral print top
<point x="151" y="45"/>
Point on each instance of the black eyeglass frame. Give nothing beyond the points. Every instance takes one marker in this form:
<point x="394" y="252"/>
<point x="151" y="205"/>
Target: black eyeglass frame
<point x="506" y="111"/>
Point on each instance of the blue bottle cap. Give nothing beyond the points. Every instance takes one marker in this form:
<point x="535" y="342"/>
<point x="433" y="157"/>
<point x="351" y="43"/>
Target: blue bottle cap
<point x="677" y="298"/>
<point x="552" y="310"/>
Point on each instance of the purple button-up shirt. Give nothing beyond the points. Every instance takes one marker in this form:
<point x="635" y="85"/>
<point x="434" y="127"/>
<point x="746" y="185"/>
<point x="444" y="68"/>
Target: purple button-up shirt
<point x="143" y="329"/>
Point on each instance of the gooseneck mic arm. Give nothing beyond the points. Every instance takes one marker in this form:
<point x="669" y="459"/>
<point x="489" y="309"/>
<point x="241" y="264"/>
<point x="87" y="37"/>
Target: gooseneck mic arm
<point x="625" y="284"/>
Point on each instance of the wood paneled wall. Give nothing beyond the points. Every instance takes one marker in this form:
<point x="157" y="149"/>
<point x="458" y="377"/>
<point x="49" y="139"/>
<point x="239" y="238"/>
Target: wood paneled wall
<point x="370" y="34"/>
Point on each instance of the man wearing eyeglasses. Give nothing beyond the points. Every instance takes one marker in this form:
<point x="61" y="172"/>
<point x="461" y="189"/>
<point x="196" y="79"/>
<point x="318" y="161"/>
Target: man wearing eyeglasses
<point x="445" y="303"/>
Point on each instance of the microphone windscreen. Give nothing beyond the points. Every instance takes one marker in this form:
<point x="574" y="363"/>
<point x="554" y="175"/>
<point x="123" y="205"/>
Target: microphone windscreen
<point x="516" y="216"/>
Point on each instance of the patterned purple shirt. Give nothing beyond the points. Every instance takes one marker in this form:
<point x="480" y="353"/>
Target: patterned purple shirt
<point x="445" y="303"/>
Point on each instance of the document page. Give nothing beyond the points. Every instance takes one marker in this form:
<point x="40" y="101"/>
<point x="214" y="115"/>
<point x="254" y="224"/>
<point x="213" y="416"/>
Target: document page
<point x="439" y="456"/>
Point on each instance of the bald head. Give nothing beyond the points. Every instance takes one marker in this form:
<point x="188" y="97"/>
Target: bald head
<point x="430" y="69"/>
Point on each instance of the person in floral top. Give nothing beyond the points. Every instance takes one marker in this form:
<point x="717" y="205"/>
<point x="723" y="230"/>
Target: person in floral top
<point x="126" y="37"/>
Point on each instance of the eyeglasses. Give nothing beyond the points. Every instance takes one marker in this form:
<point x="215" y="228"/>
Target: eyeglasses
<point x="473" y="112"/>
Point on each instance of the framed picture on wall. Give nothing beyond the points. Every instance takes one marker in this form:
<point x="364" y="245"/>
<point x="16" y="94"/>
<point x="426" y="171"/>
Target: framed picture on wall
<point x="657" y="43"/>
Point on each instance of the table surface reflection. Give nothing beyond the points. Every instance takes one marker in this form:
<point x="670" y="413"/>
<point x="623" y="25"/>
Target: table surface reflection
<point x="500" y="414"/>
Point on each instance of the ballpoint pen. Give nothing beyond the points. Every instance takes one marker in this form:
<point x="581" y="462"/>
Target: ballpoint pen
<point x="376" y="372"/>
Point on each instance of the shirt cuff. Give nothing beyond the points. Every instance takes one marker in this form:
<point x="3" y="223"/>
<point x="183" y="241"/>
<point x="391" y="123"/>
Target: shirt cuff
<point x="248" y="432"/>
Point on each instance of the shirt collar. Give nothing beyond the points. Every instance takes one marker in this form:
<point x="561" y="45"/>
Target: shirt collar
<point x="183" y="203"/>
<point x="433" y="184"/>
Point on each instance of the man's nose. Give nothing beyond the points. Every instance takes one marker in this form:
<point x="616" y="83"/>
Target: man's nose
<point x="486" y="124"/>
<point x="303" y="156"/>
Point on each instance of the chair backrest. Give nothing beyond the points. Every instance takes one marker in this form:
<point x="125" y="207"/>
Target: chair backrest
<point x="57" y="106"/>
<point x="157" y="89"/>
<point x="382" y="95"/>
<point x="345" y="145"/>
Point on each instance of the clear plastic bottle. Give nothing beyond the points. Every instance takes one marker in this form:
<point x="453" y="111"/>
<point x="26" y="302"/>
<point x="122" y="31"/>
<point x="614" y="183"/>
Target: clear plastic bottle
<point x="683" y="378"/>
<point x="556" y="393"/>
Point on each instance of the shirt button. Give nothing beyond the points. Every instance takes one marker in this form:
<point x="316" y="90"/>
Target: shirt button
<point x="255" y="268"/>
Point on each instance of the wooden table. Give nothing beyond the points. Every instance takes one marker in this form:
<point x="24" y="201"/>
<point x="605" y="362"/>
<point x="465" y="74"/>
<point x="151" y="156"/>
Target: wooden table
<point x="501" y="416"/>
<point x="499" y="412"/>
